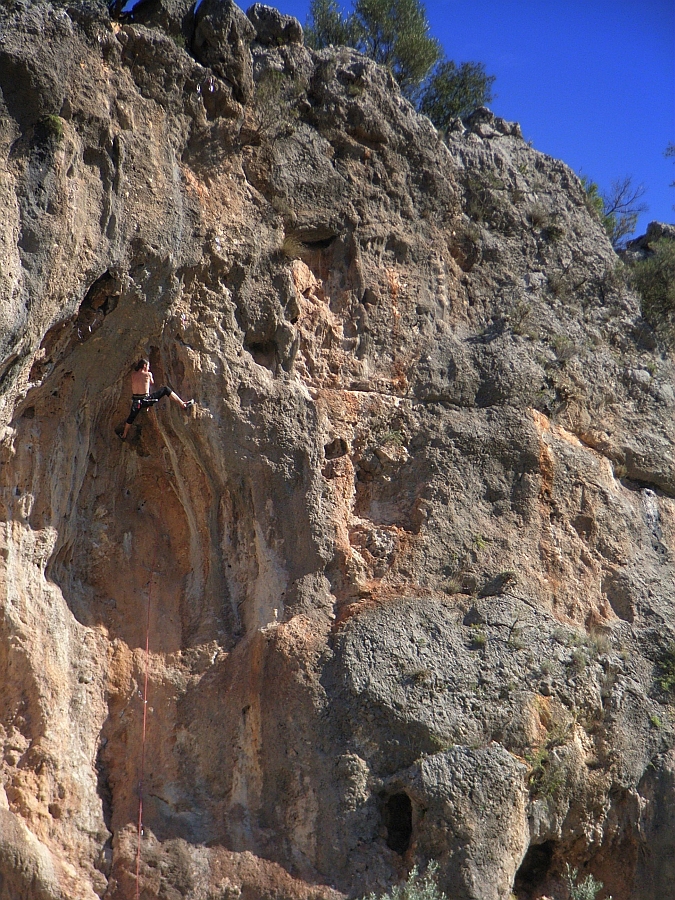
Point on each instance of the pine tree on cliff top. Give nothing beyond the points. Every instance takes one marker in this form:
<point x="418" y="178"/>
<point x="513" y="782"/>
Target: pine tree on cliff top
<point x="395" y="33"/>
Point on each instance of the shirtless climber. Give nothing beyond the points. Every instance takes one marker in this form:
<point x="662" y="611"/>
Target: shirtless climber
<point x="142" y="398"/>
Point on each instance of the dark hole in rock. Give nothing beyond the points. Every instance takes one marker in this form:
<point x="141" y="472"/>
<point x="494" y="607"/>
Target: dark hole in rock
<point x="398" y="822"/>
<point x="316" y="238"/>
<point x="584" y="527"/>
<point x="264" y="353"/>
<point x="473" y="617"/>
<point x="321" y="244"/>
<point x="534" y="870"/>
<point x="617" y="589"/>
<point x="100" y="300"/>
<point x="29" y="413"/>
<point x="103" y="788"/>
<point x="102" y="295"/>
<point x="336" y="448"/>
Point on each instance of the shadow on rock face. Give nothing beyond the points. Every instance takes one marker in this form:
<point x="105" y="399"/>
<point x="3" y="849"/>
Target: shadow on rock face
<point x="534" y="870"/>
<point x="398" y="822"/>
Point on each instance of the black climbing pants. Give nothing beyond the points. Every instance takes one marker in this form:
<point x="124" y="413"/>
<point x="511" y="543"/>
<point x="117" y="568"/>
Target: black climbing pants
<point x="143" y="401"/>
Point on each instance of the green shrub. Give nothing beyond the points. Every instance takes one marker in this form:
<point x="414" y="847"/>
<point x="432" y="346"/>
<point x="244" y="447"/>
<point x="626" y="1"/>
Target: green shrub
<point x="617" y="209"/>
<point x="396" y="34"/>
<point x="518" y="315"/>
<point x="586" y="890"/>
<point x="51" y="127"/>
<point x="275" y="97"/>
<point x="393" y="437"/>
<point x="563" y="347"/>
<point x="417" y="887"/>
<point x="665" y="668"/>
<point x="477" y="637"/>
<point x="453" y="91"/>
<point x="654" y="279"/>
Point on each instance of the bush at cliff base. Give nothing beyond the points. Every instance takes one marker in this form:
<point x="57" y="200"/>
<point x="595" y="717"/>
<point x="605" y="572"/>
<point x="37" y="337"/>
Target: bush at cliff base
<point x="417" y="887"/>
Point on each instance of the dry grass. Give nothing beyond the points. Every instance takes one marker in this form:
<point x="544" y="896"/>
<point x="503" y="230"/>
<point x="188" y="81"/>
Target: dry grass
<point x="292" y="247"/>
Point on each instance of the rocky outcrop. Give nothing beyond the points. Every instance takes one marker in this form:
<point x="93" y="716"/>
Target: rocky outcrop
<point x="642" y="247"/>
<point x="407" y="567"/>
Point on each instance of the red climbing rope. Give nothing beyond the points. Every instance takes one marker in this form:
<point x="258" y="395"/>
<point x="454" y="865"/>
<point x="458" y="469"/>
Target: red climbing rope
<point x="145" y="720"/>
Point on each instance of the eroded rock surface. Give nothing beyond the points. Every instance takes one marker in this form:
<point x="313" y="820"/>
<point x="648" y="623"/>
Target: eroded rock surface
<point x="407" y="566"/>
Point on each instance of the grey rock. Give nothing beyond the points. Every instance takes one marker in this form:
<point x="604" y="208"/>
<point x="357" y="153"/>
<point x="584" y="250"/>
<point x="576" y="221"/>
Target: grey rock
<point x="415" y="539"/>
<point x="272" y="28"/>
<point x="656" y="231"/>
<point x="222" y="36"/>
<point x="475" y="820"/>
<point x="175" y="17"/>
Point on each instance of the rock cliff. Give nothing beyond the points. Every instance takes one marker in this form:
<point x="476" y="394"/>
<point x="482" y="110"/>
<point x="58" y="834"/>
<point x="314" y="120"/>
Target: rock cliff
<point x="407" y="566"/>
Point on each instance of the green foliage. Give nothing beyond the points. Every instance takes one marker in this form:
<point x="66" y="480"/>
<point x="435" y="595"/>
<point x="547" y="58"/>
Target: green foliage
<point x="452" y="585"/>
<point x="327" y="26"/>
<point x="538" y="763"/>
<point x="665" y="668"/>
<point x="593" y="198"/>
<point x="452" y="91"/>
<point x="519" y="315"/>
<point x="275" y="96"/>
<point x="618" y="209"/>
<point x="586" y="890"/>
<point x="579" y="659"/>
<point x="549" y="771"/>
<point x="548" y="775"/>
<point x="395" y="33"/>
<point x="563" y="347"/>
<point x="51" y="127"/>
<point x="654" y="279"/>
<point x="416" y="887"/>
<point x="477" y="637"/>
<point x="393" y="437"/>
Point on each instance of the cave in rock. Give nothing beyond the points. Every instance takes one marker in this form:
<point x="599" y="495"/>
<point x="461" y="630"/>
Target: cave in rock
<point x="398" y="821"/>
<point x="533" y="870"/>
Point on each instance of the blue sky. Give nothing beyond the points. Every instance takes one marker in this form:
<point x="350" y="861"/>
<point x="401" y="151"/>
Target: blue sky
<point x="591" y="82"/>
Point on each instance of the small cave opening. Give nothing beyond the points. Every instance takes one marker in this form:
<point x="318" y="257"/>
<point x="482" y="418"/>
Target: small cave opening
<point x="264" y="353"/>
<point x="316" y="237"/>
<point x="104" y="789"/>
<point x="398" y="822"/>
<point x="59" y="340"/>
<point x="336" y="448"/>
<point x="534" y="870"/>
<point x="319" y="243"/>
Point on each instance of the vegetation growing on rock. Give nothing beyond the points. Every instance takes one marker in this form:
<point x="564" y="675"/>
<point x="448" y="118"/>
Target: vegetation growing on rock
<point x="395" y="33"/>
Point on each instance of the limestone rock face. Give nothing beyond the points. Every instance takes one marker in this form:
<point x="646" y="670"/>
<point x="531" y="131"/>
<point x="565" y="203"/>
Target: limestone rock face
<point x="272" y="27"/>
<point x="405" y="570"/>
<point x="221" y="41"/>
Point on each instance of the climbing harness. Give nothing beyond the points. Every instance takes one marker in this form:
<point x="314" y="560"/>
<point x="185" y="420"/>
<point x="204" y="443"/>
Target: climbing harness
<point x="145" y="720"/>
